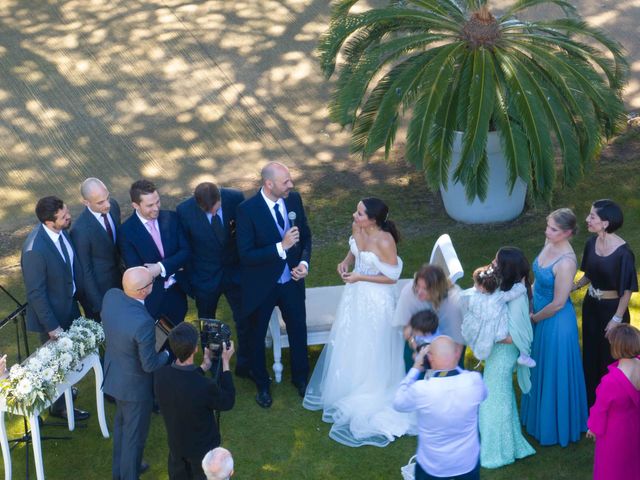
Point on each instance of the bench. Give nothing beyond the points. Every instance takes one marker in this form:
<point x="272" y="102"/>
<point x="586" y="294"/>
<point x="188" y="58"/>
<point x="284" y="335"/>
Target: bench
<point x="321" y="304"/>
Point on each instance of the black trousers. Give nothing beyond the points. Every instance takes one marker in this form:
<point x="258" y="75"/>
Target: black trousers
<point x="185" y="468"/>
<point x="207" y="305"/>
<point x="290" y="299"/>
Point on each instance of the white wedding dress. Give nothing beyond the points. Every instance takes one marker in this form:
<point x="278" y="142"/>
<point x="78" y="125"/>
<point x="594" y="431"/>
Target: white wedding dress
<point x="360" y="368"/>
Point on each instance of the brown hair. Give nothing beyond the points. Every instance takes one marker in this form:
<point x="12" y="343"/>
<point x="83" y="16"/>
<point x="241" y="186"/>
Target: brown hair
<point x="436" y="282"/>
<point x="487" y="277"/>
<point x="625" y="341"/>
<point x="565" y="219"/>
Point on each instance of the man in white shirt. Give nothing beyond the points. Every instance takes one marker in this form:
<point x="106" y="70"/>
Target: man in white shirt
<point x="52" y="278"/>
<point x="447" y="405"/>
<point x="94" y="237"/>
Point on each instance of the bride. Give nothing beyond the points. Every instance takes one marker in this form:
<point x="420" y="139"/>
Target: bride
<point x="362" y="365"/>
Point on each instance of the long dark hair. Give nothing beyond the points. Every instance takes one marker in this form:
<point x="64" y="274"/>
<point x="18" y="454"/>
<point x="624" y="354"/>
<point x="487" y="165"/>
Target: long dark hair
<point x="377" y="210"/>
<point x="513" y="266"/>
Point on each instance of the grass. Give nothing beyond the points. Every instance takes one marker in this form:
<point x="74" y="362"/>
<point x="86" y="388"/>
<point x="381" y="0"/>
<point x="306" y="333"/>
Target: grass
<point x="288" y="442"/>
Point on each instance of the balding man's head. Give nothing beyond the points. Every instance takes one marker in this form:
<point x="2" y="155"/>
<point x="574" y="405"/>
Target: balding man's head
<point x="95" y="195"/>
<point x="137" y="282"/>
<point x="444" y="353"/>
<point x="276" y="181"/>
<point x="217" y="464"/>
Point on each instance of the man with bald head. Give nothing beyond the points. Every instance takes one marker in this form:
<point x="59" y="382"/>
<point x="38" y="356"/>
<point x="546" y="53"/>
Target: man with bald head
<point x="94" y="236"/>
<point x="274" y="245"/>
<point x="447" y="403"/>
<point x="130" y="358"/>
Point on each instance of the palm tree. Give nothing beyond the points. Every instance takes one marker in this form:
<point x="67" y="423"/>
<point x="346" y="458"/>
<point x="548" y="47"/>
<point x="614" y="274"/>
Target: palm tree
<point x="545" y="86"/>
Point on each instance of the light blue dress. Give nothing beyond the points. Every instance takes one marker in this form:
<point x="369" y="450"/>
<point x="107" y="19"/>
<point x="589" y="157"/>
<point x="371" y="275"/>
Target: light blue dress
<point x="555" y="410"/>
<point x="501" y="439"/>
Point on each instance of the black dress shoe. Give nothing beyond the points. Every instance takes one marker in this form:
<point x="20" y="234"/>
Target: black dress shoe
<point x="302" y="388"/>
<point x="77" y="414"/>
<point x="144" y="466"/>
<point x="263" y="398"/>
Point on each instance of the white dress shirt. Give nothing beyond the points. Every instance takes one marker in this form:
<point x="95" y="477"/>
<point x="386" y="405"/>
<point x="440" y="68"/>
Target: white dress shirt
<point x="54" y="236"/>
<point x="101" y="222"/>
<point x="448" y="439"/>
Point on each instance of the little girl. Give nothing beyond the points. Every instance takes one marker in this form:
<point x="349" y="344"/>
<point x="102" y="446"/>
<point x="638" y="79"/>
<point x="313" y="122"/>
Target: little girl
<point x="486" y="319"/>
<point x="614" y="420"/>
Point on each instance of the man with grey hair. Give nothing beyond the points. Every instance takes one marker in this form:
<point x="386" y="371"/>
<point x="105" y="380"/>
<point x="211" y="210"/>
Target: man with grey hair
<point x="94" y="236"/>
<point x="274" y="244"/>
<point x="447" y="403"/>
<point x="217" y="464"/>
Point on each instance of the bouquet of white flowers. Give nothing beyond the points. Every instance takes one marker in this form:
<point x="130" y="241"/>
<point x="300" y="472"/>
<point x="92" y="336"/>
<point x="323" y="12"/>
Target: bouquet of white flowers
<point x="32" y="385"/>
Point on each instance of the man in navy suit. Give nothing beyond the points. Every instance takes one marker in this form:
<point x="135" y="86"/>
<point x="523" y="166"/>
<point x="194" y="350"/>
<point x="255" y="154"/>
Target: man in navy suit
<point x="274" y="243"/>
<point x="208" y="220"/>
<point x="153" y="238"/>
<point x="130" y="358"/>
<point x="94" y="236"/>
<point x="52" y="278"/>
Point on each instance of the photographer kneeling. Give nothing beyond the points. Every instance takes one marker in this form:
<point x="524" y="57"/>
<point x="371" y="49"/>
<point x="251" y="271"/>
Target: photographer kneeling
<point x="187" y="400"/>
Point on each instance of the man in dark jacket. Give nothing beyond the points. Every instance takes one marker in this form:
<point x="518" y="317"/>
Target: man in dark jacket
<point x="187" y="401"/>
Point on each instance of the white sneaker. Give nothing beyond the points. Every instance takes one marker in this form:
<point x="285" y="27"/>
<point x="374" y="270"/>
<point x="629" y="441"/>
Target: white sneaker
<point x="527" y="361"/>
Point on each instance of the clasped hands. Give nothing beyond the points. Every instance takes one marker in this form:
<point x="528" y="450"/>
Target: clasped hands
<point x="346" y="275"/>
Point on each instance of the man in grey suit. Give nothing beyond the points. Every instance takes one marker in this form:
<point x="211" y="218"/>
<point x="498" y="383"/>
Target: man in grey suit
<point x="51" y="278"/>
<point x="129" y="360"/>
<point x="94" y="236"/>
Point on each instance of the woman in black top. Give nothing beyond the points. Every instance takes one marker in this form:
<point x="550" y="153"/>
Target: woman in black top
<point x="609" y="269"/>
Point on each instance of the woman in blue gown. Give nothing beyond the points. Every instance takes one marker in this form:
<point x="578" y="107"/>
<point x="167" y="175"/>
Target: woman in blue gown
<point x="555" y="410"/>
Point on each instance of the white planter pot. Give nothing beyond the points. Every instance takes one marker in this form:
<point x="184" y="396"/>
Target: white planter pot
<point x="499" y="206"/>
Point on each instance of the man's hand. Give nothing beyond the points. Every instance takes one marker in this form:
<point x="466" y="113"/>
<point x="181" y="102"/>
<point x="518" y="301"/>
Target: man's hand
<point x="299" y="272"/>
<point x="227" y="353"/>
<point x="290" y="238"/>
<point x="418" y="362"/>
<point x="206" y="360"/>
<point x="54" y="334"/>
<point x="154" y="268"/>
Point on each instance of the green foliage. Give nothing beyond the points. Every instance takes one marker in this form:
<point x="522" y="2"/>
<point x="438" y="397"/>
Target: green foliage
<point x="541" y="84"/>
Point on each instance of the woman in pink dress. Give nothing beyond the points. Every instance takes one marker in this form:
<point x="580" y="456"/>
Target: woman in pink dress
<point x="614" y="420"/>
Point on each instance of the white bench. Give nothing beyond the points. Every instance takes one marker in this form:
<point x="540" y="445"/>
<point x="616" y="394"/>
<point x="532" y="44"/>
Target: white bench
<point x="321" y="304"/>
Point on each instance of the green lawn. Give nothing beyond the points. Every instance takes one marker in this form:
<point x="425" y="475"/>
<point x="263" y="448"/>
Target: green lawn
<point x="288" y="442"/>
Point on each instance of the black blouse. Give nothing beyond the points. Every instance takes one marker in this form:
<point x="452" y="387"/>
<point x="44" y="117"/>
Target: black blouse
<point x="616" y="271"/>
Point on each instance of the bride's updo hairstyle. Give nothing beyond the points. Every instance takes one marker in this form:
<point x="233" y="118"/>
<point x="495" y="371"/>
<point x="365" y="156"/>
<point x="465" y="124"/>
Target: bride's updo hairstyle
<point x="565" y="219"/>
<point x="377" y="210"/>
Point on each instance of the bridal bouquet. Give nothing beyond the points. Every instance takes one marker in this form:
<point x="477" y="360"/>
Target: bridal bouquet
<point x="32" y="385"/>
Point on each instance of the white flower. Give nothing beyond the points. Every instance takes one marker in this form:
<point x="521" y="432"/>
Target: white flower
<point x="35" y="364"/>
<point x="24" y="387"/>
<point x="65" y="343"/>
<point x="47" y="374"/>
<point x="44" y="354"/>
<point x="65" y="360"/>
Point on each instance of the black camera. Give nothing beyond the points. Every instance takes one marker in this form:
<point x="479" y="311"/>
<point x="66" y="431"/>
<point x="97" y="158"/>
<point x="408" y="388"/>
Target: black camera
<point x="213" y="334"/>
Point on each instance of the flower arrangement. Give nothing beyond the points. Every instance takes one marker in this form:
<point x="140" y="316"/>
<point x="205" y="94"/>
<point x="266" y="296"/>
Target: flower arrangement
<point x="32" y="385"/>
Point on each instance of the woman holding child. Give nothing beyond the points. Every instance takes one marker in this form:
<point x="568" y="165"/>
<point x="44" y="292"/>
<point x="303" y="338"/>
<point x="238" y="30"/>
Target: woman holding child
<point x="555" y="410"/>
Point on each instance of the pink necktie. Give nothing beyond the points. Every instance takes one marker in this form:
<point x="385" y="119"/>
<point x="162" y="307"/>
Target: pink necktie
<point x="155" y="234"/>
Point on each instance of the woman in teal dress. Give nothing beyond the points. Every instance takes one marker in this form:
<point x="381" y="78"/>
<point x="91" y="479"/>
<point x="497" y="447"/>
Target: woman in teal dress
<point x="555" y="410"/>
<point x="501" y="439"/>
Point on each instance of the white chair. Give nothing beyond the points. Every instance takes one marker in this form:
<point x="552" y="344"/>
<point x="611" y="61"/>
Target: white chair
<point x="321" y="304"/>
<point x="445" y="256"/>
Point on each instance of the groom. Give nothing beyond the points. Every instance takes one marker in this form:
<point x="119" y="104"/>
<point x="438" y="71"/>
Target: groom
<point x="274" y="244"/>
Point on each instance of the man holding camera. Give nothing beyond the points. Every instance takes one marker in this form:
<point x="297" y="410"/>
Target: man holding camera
<point x="447" y="405"/>
<point x="187" y="400"/>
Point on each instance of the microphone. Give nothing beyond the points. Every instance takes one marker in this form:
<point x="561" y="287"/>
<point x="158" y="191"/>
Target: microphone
<point x="292" y="218"/>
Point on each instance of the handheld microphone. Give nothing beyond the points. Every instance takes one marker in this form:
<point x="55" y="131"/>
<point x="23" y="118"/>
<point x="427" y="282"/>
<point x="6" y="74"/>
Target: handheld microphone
<point x="292" y="218"/>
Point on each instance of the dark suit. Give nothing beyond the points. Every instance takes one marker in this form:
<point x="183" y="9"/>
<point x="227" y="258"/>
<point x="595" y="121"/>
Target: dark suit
<point x="261" y="268"/>
<point x="51" y="302"/>
<point x="137" y="248"/>
<point x="98" y="256"/>
<point x="187" y="400"/>
<point x="130" y="358"/>
<point x="214" y="267"/>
